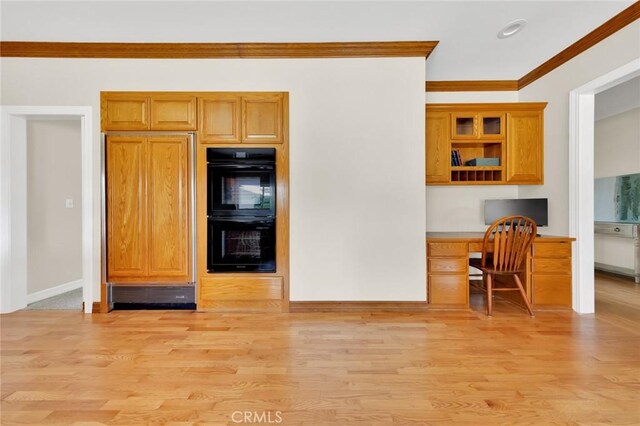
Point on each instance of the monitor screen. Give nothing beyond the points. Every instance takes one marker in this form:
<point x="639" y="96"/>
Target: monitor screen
<point x="535" y="208"/>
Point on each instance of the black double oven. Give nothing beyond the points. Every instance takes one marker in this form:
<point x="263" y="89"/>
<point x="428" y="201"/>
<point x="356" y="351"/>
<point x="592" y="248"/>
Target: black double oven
<point x="241" y="210"/>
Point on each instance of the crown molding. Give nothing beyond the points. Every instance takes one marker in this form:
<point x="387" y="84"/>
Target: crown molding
<point x="378" y="49"/>
<point x="610" y="27"/>
<point x="471" y="86"/>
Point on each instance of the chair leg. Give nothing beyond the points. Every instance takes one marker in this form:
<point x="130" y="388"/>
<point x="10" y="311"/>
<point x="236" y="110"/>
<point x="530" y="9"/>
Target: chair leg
<point x="489" y="294"/>
<point x="524" y="295"/>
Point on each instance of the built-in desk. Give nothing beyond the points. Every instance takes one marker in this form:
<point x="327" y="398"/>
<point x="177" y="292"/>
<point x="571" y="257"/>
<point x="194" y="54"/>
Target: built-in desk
<point x="547" y="274"/>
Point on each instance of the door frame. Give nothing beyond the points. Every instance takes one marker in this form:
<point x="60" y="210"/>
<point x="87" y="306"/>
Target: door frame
<point x="13" y="201"/>
<point x="581" y="179"/>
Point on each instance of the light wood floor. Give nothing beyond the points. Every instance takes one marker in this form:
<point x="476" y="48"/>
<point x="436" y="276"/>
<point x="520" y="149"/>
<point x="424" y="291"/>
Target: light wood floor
<point x="180" y="368"/>
<point x="618" y="300"/>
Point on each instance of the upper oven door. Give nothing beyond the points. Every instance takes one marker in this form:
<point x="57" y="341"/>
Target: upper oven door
<point x="236" y="189"/>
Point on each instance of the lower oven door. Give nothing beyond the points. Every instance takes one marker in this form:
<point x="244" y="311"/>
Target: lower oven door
<point x="241" y="245"/>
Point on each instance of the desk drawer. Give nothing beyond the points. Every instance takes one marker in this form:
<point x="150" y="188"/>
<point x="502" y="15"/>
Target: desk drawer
<point x="552" y="250"/>
<point x="439" y="265"/>
<point x="448" y="249"/>
<point x="552" y="290"/>
<point x="448" y="290"/>
<point x="560" y="265"/>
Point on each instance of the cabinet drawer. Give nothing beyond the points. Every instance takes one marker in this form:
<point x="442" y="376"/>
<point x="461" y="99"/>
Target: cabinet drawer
<point x="447" y="250"/>
<point x="448" y="290"/>
<point x="448" y="265"/>
<point x="561" y="265"/>
<point x="552" y="290"/>
<point x="240" y="288"/>
<point x="552" y="250"/>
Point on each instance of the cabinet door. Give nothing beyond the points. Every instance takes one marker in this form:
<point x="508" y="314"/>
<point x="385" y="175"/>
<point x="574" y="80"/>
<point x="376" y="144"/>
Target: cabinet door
<point x="126" y="207"/>
<point x="125" y="112"/>
<point x="524" y="147"/>
<point x="464" y="125"/>
<point x="168" y="207"/>
<point x="219" y="118"/>
<point x="437" y="152"/>
<point x="491" y="125"/>
<point x="173" y="112"/>
<point x="262" y="118"/>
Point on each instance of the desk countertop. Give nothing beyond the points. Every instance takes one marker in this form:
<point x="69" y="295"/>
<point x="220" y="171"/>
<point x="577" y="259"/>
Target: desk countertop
<point x="478" y="236"/>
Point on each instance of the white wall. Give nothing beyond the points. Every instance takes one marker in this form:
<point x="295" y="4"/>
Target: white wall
<point x="617" y="149"/>
<point x="357" y="155"/>
<point x="54" y="232"/>
<point x="617" y="144"/>
<point x="461" y="208"/>
<point x="611" y="53"/>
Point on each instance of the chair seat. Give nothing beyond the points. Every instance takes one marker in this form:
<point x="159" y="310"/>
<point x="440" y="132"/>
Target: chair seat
<point x="477" y="263"/>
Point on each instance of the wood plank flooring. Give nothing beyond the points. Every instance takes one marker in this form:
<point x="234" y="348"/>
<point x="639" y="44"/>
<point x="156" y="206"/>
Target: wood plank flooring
<point x="618" y="300"/>
<point x="447" y="367"/>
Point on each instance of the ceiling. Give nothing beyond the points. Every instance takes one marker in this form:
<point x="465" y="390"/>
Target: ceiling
<point x="618" y="99"/>
<point x="468" y="48"/>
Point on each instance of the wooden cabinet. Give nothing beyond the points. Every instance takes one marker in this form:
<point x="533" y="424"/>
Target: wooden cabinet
<point x="124" y="112"/>
<point x="551" y="274"/>
<point x="141" y="111"/>
<point x="173" y="112"/>
<point x="524" y="147"/>
<point x="148" y="211"/>
<point x="546" y="275"/>
<point x="262" y="118"/>
<point x="219" y="118"/>
<point x="437" y="153"/>
<point x="126" y="206"/>
<point x="447" y="274"/>
<point x="490" y="144"/>
<point x="242" y="118"/>
<point x="149" y="223"/>
<point x="168" y="207"/>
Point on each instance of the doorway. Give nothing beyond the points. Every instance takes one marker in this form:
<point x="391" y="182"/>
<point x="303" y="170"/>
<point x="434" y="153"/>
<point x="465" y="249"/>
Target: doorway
<point x="581" y="179"/>
<point x="13" y="202"/>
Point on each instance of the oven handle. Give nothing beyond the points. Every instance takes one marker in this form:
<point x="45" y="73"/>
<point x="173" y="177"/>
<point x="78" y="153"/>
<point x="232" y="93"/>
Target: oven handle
<point x="263" y="219"/>
<point x="242" y="166"/>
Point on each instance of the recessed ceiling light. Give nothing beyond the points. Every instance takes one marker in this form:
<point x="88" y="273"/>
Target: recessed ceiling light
<point x="512" y="28"/>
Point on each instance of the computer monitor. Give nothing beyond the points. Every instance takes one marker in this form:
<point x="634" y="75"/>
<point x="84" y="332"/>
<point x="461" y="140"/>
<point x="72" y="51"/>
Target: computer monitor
<point x="535" y="208"/>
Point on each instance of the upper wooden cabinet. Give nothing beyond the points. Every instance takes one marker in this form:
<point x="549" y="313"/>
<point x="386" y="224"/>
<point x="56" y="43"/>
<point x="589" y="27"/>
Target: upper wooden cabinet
<point x="219" y="118"/>
<point x="124" y="111"/>
<point x="173" y="112"/>
<point x="242" y="118"/>
<point x="525" y="148"/>
<point x="437" y="154"/>
<point x="262" y="118"/>
<point x="461" y="138"/>
<point x="141" y="111"/>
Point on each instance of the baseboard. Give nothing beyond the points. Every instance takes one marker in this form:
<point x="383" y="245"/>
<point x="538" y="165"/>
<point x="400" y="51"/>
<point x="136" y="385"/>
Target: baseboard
<point x="618" y="270"/>
<point x="54" y="291"/>
<point x="329" y="306"/>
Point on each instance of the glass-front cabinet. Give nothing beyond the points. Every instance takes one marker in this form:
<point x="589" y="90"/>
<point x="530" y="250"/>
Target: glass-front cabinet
<point x="469" y="125"/>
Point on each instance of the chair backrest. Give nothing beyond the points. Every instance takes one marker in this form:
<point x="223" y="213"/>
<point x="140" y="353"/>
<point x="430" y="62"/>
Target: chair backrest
<point x="510" y="239"/>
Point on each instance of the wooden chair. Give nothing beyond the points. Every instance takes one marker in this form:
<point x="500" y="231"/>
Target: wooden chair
<point x="504" y="251"/>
